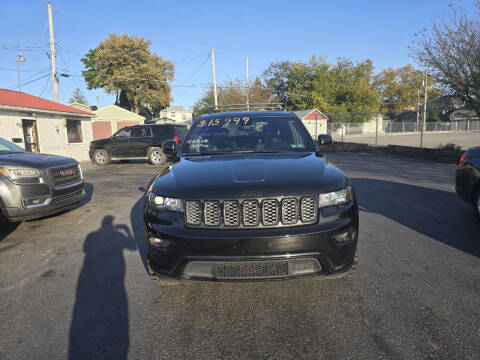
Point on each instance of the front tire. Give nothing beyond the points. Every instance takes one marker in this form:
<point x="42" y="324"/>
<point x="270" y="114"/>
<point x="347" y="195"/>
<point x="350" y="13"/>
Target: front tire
<point x="156" y="156"/>
<point x="101" y="157"/>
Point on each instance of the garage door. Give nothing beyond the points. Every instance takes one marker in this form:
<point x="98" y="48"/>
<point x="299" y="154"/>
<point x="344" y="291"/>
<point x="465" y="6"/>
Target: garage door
<point x="101" y="130"/>
<point x="122" y="124"/>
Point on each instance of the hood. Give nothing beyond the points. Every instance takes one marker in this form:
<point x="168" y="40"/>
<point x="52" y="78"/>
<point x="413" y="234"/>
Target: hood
<point x="100" y="141"/>
<point x="35" y="160"/>
<point x="249" y="176"/>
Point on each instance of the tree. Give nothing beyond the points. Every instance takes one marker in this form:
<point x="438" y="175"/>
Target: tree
<point x="342" y="87"/>
<point x="124" y="65"/>
<point x="77" y="96"/>
<point x="398" y="87"/>
<point x="451" y="52"/>
<point x="232" y="92"/>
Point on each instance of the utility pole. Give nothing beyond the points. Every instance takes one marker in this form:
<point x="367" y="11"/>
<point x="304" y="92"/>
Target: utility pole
<point x="20" y="58"/>
<point x="52" y="55"/>
<point x="424" y="107"/>
<point x="248" y="95"/>
<point x="214" y="80"/>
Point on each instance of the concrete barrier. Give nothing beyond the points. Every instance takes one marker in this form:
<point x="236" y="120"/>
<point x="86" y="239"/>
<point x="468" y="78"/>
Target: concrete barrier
<point x="448" y="155"/>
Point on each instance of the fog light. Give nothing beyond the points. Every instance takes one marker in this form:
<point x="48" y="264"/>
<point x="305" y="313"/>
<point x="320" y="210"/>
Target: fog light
<point x="35" y="202"/>
<point x="159" y="243"/>
<point x="345" y="238"/>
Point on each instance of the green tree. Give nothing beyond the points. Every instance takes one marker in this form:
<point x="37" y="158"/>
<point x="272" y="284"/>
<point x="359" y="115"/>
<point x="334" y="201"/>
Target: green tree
<point x="232" y="92"/>
<point x="398" y="87"/>
<point x="342" y="87"/>
<point x="122" y="64"/>
<point x="451" y="52"/>
<point x="77" y="96"/>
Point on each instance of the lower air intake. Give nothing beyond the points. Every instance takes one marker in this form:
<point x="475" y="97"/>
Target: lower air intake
<point x="251" y="270"/>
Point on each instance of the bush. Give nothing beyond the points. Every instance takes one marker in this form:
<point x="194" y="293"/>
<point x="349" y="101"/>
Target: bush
<point x="449" y="147"/>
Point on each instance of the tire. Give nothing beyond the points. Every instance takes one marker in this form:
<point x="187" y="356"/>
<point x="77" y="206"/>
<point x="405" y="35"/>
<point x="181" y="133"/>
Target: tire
<point x="476" y="204"/>
<point x="101" y="157"/>
<point x="156" y="156"/>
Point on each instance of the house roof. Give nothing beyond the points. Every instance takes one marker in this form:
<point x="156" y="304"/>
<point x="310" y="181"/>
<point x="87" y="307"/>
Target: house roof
<point x="175" y="108"/>
<point x="302" y="113"/>
<point x="17" y="99"/>
<point x="115" y="112"/>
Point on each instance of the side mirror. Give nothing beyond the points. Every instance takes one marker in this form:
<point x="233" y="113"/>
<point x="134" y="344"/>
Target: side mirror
<point x="170" y="147"/>
<point x="324" y="139"/>
<point x="17" y="140"/>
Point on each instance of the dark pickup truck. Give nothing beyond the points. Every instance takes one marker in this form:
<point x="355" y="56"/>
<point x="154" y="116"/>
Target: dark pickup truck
<point x="136" y="142"/>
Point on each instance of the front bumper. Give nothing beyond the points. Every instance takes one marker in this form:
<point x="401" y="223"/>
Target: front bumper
<point x="57" y="200"/>
<point x="259" y="254"/>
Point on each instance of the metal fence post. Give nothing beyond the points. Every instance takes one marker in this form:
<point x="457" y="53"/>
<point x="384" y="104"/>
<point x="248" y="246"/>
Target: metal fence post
<point x="403" y="127"/>
<point x="343" y="124"/>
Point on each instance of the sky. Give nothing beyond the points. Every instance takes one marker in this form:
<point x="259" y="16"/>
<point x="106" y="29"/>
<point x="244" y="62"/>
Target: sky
<point x="185" y="31"/>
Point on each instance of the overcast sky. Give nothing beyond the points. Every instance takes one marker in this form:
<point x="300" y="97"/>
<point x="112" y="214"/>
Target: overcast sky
<point x="185" y="31"/>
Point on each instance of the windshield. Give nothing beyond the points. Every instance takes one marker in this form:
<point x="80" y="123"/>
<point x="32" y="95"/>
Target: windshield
<point x="247" y="134"/>
<point x="6" y="147"/>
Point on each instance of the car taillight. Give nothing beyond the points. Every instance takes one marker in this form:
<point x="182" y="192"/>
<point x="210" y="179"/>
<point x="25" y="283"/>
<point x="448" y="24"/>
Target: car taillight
<point x="462" y="158"/>
<point x="176" y="139"/>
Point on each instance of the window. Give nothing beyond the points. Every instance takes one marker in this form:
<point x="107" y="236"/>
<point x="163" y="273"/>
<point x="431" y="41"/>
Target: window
<point x="74" y="131"/>
<point x="184" y="117"/>
<point x="123" y="133"/>
<point x="141" y="132"/>
<point x="172" y="114"/>
<point x="247" y="134"/>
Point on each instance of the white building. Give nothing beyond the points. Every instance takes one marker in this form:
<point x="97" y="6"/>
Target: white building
<point x="178" y="114"/>
<point x="41" y="125"/>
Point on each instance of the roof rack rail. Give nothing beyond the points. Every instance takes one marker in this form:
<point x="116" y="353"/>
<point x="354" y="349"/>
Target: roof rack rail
<point x="246" y="107"/>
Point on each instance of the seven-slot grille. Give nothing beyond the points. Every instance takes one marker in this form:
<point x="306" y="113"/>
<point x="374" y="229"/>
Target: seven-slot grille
<point x="65" y="175"/>
<point x="288" y="211"/>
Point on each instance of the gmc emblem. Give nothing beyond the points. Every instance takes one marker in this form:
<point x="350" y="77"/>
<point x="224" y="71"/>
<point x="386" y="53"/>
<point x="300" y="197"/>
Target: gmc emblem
<point x="67" y="172"/>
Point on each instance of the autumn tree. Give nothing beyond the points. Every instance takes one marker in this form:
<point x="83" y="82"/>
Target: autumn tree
<point x="397" y="88"/>
<point x="450" y="50"/>
<point x="78" y="97"/>
<point x="124" y="65"/>
<point x="232" y="92"/>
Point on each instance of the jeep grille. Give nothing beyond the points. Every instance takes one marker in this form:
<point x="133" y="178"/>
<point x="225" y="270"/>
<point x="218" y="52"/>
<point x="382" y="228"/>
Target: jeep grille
<point x="272" y="212"/>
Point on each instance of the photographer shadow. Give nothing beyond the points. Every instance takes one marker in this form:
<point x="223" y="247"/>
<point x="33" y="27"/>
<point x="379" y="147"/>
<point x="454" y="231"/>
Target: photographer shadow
<point x="100" y="321"/>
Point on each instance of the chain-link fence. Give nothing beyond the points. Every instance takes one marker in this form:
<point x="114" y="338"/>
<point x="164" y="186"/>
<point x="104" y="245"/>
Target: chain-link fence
<point x="404" y="128"/>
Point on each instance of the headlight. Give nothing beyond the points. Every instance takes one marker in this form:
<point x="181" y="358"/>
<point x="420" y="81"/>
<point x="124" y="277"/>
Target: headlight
<point x="335" y="198"/>
<point x="165" y="203"/>
<point x="21" y="173"/>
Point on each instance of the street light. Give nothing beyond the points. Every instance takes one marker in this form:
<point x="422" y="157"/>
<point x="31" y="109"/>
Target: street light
<point x="20" y="58"/>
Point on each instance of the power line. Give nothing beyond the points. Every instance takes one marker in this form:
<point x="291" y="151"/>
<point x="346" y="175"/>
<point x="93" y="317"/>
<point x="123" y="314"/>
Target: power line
<point x="29" y="82"/>
<point x="192" y="75"/>
<point x="45" y="87"/>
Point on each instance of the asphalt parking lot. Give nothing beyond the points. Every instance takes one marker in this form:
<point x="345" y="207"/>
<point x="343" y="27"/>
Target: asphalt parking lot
<point x="75" y="285"/>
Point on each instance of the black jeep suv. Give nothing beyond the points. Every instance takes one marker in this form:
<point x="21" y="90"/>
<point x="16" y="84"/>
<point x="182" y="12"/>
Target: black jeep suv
<point x="136" y="142"/>
<point x="250" y="197"/>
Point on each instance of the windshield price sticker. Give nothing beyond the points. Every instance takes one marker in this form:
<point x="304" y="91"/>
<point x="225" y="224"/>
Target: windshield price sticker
<point x="218" y="122"/>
